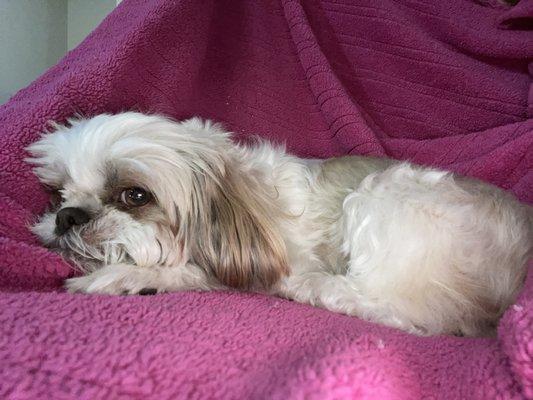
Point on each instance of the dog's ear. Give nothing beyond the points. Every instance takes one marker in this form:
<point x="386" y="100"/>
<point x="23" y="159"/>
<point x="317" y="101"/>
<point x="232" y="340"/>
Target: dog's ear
<point x="235" y="237"/>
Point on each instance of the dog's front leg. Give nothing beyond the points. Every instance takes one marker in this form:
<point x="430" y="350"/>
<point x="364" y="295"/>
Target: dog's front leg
<point x="131" y="279"/>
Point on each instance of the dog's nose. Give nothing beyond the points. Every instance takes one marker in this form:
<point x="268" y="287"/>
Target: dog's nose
<point x="68" y="217"/>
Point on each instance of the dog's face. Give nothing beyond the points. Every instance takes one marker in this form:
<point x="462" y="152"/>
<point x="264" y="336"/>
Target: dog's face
<point x="114" y="181"/>
<point x="147" y="191"/>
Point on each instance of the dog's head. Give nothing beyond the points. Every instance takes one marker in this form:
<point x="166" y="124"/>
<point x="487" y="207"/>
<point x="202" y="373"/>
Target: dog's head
<point x="145" y="190"/>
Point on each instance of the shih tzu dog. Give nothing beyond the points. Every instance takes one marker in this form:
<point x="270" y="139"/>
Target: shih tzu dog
<point x="144" y="204"/>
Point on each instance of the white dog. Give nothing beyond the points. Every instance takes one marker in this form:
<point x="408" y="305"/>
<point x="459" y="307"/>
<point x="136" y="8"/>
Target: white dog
<point x="146" y="204"/>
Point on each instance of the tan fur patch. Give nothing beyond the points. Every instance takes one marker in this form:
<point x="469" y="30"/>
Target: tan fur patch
<point x="236" y="238"/>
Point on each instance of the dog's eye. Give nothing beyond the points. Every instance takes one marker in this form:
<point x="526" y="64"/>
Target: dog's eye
<point x="135" y="197"/>
<point x="55" y="196"/>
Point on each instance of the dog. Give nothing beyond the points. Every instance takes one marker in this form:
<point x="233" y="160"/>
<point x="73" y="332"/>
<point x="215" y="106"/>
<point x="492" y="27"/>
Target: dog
<point x="142" y="204"/>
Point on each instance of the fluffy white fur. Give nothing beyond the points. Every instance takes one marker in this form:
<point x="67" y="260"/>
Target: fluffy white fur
<point x="410" y="247"/>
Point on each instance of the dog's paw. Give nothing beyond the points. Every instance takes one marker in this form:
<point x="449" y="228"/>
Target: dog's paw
<point x="147" y="292"/>
<point x="113" y="279"/>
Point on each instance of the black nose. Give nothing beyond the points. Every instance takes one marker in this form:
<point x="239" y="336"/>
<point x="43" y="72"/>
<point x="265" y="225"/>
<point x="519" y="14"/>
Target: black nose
<point x="69" y="216"/>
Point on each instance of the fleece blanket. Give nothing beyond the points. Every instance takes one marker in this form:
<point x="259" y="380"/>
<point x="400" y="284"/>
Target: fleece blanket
<point x="443" y="83"/>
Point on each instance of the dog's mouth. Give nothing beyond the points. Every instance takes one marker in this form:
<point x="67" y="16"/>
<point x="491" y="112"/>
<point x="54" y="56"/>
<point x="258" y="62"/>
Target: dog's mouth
<point x="105" y="240"/>
<point x="87" y="250"/>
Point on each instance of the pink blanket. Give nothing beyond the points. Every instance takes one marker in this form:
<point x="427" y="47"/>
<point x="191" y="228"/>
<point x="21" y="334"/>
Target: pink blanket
<point x="444" y="83"/>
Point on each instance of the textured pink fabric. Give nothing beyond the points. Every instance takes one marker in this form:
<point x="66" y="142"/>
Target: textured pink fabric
<point x="443" y="83"/>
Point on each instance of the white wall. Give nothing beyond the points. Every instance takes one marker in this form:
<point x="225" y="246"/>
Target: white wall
<point x="35" y="34"/>
<point x="84" y="16"/>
